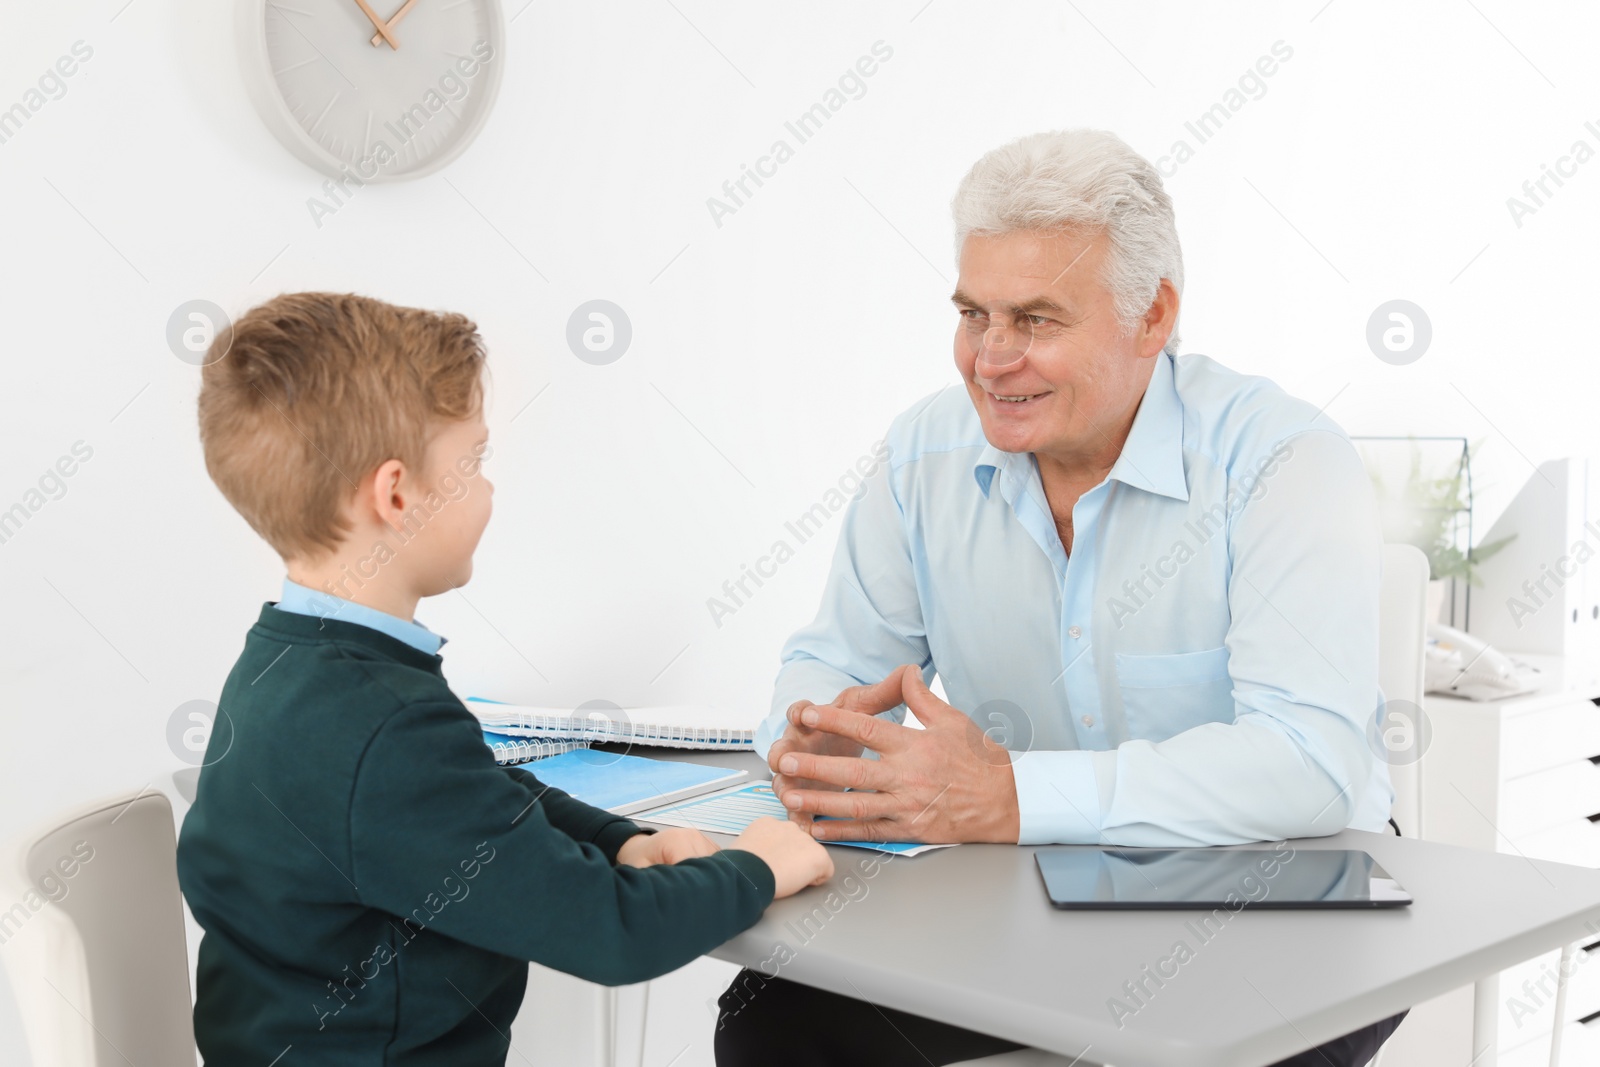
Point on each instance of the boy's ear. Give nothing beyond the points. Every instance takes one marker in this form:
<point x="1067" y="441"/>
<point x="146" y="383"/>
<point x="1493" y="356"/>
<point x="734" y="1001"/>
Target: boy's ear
<point x="388" y="493"/>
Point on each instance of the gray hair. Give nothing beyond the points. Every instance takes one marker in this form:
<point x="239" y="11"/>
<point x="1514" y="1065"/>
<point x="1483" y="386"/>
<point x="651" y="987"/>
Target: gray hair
<point x="1081" y="178"/>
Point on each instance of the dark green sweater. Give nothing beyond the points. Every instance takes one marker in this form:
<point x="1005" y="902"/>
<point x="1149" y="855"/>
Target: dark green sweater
<point x="371" y="884"/>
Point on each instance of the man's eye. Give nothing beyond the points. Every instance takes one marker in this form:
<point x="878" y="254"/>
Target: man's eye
<point x="1037" y="320"/>
<point x="971" y="314"/>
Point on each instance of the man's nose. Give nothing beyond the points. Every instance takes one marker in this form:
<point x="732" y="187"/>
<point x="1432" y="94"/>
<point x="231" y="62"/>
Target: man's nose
<point x="1002" y="346"/>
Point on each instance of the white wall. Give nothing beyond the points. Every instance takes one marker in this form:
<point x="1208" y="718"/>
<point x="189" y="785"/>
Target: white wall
<point x="769" y="353"/>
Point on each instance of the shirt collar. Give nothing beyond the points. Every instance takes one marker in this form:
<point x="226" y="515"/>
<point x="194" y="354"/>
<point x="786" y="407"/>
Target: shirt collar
<point x="1151" y="458"/>
<point x="303" y="600"/>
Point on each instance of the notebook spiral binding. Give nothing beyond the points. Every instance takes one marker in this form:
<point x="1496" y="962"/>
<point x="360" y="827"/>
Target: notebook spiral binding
<point x="521" y="722"/>
<point x="643" y="733"/>
<point x="509" y="751"/>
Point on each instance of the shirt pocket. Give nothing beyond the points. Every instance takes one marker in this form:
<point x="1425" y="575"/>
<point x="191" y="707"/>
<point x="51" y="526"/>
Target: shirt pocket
<point x="1164" y="695"/>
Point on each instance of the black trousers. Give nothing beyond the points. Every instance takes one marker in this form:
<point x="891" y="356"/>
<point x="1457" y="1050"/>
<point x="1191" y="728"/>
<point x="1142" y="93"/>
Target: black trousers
<point x="772" y="1022"/>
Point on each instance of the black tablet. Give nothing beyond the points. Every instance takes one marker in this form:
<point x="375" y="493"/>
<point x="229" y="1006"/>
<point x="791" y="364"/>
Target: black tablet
<point x="1208" y="878"/>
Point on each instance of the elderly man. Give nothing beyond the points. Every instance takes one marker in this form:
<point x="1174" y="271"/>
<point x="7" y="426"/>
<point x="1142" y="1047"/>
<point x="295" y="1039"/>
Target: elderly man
<point x="1148" y="584"/>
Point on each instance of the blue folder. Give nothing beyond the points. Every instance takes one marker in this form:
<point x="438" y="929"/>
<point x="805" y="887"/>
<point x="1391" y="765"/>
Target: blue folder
<point x="623" y="784"/>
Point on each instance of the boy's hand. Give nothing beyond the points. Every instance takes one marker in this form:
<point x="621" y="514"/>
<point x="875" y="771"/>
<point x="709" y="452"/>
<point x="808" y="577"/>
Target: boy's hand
<point x="796" y="859"/>
<point x="666" y="846"/>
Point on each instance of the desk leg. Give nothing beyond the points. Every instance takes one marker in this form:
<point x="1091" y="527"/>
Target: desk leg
<point x="605" y="1030"/>
<point x="626" y="1011"/>
<point x="1560" y="1020"/>
<point x="1485" y="1021"/>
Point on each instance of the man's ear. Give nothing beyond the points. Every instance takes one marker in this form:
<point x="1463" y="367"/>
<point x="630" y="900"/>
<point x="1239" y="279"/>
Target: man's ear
<point x="1160" y="319"/>
<point x="388" y="493"/>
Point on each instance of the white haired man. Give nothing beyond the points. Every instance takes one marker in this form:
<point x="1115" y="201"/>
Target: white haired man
<point x="1149" y="583"/>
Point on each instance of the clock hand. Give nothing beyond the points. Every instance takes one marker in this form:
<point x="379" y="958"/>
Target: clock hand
<point x="383" y="30"/>
<point x="377" y="38"/>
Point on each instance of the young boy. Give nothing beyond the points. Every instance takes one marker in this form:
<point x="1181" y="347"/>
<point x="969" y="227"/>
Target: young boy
<point x="371" y="883"/>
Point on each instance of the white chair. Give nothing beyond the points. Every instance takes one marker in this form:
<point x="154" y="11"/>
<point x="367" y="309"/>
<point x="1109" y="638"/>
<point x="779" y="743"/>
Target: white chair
<point x="101" y="977"/>
<point x="1402" y="633"/>
<point x="1402" y="638"/>
<point x="94" y="946"/>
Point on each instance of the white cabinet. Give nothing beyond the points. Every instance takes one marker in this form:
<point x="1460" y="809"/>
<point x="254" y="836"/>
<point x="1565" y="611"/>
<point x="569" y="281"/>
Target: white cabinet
<point x="1522" y="776"/>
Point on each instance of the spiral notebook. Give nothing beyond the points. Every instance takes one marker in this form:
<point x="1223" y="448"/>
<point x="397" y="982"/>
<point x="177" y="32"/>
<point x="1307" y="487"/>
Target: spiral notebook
<point x="667" y="726"/>
<point x="509" y="750"/>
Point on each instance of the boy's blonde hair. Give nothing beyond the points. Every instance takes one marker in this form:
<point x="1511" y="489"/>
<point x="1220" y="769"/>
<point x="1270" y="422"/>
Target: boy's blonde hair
<point x="309" y="393"/>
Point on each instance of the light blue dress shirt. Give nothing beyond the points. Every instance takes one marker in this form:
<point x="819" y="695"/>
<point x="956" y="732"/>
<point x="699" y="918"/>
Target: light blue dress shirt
<point x="303" y="600"/>
<point x="1202" y="670"/>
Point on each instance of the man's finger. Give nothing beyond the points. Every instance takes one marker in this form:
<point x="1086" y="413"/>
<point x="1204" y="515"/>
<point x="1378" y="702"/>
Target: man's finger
<point x="922" y="701"/>
<point x="775" y="753"/>
<point x="782" y="783"/>
<point x="876" y="698"/>
<point x="845" y="772"/>
<point x="860" y="830"/>
<point x="793" y="714"/>
<point x="880" y="735"/>
<point x="827" y="804"/>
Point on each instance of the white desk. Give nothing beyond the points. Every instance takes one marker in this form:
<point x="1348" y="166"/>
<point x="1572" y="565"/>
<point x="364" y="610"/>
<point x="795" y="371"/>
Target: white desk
<point x="966" y="935"/>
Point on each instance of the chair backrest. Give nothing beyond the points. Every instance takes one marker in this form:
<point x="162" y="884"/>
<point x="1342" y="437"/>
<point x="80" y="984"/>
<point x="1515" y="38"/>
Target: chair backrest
<point x="93" y="938"/>
<point x="1402" y="634"/>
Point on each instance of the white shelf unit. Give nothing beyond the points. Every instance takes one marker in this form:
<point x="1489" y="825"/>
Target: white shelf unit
<point x="1522" y="776"/>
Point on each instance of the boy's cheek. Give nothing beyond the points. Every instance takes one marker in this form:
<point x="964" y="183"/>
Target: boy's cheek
<point x="481" y="513"/>
<point x="454" y="488"/>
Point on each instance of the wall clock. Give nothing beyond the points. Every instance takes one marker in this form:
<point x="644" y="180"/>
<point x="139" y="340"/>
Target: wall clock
<point x="379" y="89"/>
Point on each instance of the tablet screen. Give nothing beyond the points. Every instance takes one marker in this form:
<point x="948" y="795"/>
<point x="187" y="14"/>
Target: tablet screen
<point x="1085" y="877"/>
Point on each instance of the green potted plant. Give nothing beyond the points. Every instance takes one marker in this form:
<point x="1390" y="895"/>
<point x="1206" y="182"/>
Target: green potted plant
<point x="1425" y="510"/>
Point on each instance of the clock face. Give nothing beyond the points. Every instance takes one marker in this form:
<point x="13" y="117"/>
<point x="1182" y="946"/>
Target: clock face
<point x="381" y="89"/>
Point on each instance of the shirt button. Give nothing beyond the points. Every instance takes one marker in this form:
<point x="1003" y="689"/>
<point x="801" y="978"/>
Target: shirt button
<point x="1074" y="631"/>
<point x="1088" y="720"/>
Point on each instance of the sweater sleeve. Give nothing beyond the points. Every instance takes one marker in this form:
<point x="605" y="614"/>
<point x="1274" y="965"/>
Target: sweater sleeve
<point x="439" y="833"/>
<point x="579" y="821"/>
